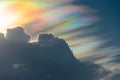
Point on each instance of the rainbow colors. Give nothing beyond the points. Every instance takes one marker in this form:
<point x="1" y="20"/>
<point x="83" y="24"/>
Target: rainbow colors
<point x="59" y="17"/>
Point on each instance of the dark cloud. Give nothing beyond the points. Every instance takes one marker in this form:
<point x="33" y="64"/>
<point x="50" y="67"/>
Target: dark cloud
<point x="17" y="35"/>
<point x="2" y="38"/>
<point x="48" y="59"/>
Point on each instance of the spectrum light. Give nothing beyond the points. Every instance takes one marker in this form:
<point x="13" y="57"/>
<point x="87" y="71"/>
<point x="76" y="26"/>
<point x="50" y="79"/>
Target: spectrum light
<point x="59" y="17"/>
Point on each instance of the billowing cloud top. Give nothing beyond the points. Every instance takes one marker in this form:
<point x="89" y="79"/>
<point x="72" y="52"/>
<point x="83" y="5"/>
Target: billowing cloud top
<point x="17" y="35"/>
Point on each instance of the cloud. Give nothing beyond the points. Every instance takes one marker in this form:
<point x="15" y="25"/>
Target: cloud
<point x="48" y="59"/>
<point x="116" y="59"/>
<point x="112" y="76"/>
<point x="2" y="37"/>
<point x="115" y="77"/>
<point x="17" y="35"/>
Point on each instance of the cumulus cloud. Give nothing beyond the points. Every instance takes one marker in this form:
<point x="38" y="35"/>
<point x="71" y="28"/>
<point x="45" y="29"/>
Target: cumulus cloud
<point x="48" y="59"/>
<point x="17" y="35"/>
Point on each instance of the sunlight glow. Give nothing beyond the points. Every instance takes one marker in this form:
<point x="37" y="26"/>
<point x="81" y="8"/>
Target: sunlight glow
<point x="6" y="18"/>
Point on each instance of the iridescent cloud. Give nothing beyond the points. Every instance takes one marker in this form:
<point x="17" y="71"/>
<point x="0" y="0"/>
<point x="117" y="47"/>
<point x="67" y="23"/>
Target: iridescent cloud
<point x="60" y="18"/>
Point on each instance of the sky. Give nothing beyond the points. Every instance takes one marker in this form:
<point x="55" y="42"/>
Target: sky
<point x="90" y="27"/>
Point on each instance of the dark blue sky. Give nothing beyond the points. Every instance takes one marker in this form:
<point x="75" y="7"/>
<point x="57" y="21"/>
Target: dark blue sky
<point x="109" y="12"/>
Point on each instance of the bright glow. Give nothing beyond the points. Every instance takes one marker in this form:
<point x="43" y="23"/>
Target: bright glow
<point x="6" y="18"/>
